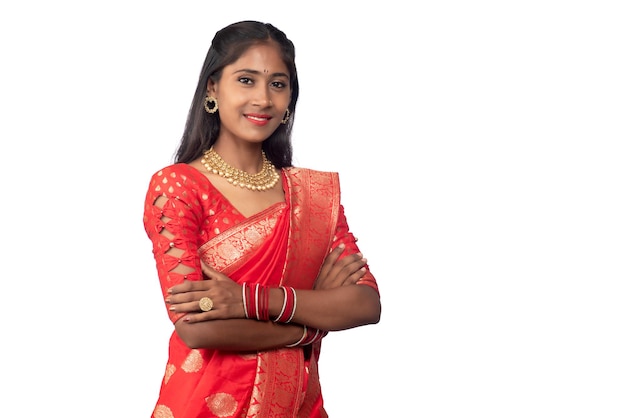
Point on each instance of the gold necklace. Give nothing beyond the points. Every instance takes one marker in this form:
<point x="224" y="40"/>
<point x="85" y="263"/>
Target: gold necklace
<point x="263" y="180"/>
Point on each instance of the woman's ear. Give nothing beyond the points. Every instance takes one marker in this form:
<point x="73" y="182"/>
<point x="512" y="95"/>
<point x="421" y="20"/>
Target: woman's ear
<point x="210" y="88"/>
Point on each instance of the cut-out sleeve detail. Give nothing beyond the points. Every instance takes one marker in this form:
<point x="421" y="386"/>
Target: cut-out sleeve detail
<point x="172" y="219"/>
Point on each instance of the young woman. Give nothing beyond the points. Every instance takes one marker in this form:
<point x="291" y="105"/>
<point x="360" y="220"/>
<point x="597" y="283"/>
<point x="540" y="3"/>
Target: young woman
<point x="255" y="258"/>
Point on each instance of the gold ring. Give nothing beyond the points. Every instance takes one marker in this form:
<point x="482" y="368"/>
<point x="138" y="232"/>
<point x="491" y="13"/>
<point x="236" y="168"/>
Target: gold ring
<point x="206" y="304"/>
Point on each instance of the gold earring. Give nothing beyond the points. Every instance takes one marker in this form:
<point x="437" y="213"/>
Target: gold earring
<point x="286" y="117"/>
<point x="210" y="104"/>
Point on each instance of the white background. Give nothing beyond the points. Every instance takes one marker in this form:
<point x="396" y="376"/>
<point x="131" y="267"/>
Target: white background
<point x="480" y="147"/>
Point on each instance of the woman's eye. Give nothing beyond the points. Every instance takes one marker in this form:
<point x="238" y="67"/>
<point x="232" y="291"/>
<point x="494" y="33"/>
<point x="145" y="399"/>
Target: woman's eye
<point x="245" y="80"/>
<point x="278" y="84"/>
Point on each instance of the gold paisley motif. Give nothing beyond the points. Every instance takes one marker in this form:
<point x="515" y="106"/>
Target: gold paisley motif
<point x="222" y="404"/>
<point x="193" y="362"/>
<point x="229" y="252"/>
<point x="253" y="236"/>
<point x="162" y="411"/>
<point x="169" y="371"/>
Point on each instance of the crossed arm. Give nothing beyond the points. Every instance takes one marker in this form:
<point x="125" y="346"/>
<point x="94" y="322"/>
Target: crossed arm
<point x="337" y="302"/>
<point x="341" y="298"/>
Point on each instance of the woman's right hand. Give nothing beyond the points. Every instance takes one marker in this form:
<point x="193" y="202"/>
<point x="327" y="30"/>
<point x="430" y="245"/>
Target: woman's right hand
<point x="224" y="293"/>
<point x="338" y="272"/>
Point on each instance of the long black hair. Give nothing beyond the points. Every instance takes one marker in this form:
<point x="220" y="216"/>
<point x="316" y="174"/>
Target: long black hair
<point x="202" y="129"/>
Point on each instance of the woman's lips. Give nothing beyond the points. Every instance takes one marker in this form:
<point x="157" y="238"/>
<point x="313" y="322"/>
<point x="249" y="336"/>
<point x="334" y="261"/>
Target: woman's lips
<point x="258" y="119"/>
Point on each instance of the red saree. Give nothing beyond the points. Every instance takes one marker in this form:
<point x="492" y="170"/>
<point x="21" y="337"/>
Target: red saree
<point x="284" y="244"/>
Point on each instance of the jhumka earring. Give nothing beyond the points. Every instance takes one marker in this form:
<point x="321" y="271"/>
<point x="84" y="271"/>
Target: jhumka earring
<point x="210" y="104"/>
<point x="285" y="118"/>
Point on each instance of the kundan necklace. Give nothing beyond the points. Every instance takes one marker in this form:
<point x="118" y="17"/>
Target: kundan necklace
<point x="263" y="180"/>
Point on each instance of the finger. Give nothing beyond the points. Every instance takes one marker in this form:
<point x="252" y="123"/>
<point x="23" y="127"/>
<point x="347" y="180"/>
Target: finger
<point x="334" y="254"/>
<point x="190" y="286"/>
<point x="199" y="317"/>
<point x="355" y="277"/>
<point x="351" y="275"/>
<point x="185" y="297"/>
<point x="186" y="286"/>
<point x="191" y="305"/>
<point x="331" y="259"/>
<point x="217" y="312"/>
<point x="346" y="266"/>
<point x="185" y="307"/>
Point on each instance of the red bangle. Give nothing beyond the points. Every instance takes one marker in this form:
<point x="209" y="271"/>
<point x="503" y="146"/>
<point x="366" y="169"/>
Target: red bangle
<point x="289" y="305"/>
<point x="263" y="302"/>
<point x="250" y="305"/>
<point x="309" y="336"/>
<point x="244" y="298"/>
<point x="256" y="301"/>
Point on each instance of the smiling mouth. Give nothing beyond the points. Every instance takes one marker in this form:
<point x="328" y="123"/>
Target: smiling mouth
<point x="259" y="118"/>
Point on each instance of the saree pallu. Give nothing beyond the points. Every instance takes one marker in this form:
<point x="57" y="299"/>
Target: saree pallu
<point x="284" y="244"/>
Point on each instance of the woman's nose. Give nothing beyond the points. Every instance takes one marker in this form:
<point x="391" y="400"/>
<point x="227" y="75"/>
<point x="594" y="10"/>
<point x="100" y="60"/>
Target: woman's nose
<point x="263" y="98"/>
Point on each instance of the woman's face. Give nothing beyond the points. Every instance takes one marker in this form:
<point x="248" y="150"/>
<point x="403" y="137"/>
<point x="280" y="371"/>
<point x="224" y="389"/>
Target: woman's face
<point x="253" y="94"/>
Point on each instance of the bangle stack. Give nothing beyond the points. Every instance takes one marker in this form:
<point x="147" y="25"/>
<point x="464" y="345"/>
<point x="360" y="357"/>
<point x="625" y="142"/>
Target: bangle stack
<point x="256" y="303"/>
<point x="289" y="305"/>
<point x="309" y="336"/>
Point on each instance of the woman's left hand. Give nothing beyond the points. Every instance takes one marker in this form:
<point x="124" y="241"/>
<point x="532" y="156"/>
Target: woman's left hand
<point x="224" y="293"/>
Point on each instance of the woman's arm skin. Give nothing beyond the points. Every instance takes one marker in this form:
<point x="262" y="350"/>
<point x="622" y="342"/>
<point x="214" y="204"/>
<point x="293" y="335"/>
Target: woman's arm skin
<point x="237" y="334"/>
<point x="338" y="309"/>
<point x="336" y="304"/>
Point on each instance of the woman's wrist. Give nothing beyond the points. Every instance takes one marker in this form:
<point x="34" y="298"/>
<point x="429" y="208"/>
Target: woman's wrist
<point x="302" y="338"/>
<point x="308" y="336"/>
<point x="265" y="303"/>
<point x="288" y="301"/>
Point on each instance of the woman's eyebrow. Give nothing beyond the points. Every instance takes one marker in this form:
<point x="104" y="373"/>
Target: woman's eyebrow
<point x="257" y="72"/>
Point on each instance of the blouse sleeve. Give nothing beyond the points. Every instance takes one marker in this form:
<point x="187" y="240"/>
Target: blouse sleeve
<point x="343" y="235"/>
<point x="172" y="220"/>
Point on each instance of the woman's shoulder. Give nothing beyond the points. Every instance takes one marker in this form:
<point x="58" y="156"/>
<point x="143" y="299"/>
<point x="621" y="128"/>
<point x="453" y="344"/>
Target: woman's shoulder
<point x="177" y="169"/>
<point x="178" y="178"/>
<point x="178" y="172"/>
